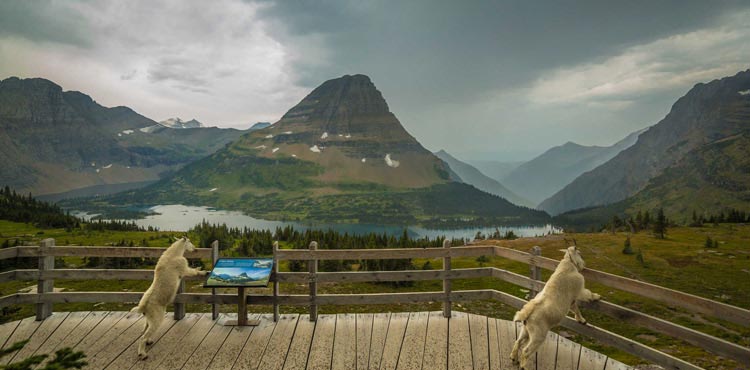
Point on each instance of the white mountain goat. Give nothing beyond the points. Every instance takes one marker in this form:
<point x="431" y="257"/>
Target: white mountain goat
<point x="170" y="269"/>
<point x="552" y="304"/>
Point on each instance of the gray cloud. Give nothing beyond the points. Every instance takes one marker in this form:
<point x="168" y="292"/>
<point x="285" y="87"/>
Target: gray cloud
<point x="501" y="79"/>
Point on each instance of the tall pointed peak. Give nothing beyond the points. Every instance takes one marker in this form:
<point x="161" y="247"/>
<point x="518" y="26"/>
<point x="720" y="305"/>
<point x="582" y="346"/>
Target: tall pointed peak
<point x="341" y="98"/>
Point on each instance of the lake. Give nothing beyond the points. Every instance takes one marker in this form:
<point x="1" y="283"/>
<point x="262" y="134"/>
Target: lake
<point x="181" y="218"/>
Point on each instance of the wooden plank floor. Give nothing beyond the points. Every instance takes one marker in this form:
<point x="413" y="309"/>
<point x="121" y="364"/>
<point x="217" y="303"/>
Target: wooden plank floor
<point x="417" y="340"/>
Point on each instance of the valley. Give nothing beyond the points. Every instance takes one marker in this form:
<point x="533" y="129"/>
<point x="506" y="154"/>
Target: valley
<point x="338" y="156"/>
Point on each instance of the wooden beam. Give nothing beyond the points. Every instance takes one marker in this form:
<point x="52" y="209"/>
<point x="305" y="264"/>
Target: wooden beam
<point x="90" y="274"/>
<point x="447" y="283"/>
<point x="45" y="285"/>
<point x="381" y="276"/>
<point x="9" y="300"/>
<point x="95" y="251"/>
<point x="214" y="258"/>
<point x="275" y="282"/>
<point x="11" y="276"/>
<point x="387" y="253"/>
<point x="312" y="266"/>
<point x="7" y="253"/>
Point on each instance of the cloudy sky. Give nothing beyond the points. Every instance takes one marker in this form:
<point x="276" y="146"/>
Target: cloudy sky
<point x="501" y="80"/>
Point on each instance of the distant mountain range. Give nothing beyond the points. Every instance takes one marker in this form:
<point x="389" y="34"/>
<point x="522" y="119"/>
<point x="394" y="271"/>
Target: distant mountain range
<point x="339" y="155"/>
<point x="179" y="123"/>
<point x="695" y="159"/>
<point x="497" y="170"/>
<point x="543" y="176"/>
<point x="472" y="176"/>
<point x="260" y="125"/>
<point x="54" y="141"/>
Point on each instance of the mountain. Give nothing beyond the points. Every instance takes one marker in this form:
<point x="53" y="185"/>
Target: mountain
<point x="54" y="141"/>
<point x="473" y="176"/>
<point x="543" y="176"/>
<point x="260" y="125"/>
<point x="178" y="123"/>
<point x="708" y="113"/>
<point x="494" y="169"/>
<point x="339" y="155"/>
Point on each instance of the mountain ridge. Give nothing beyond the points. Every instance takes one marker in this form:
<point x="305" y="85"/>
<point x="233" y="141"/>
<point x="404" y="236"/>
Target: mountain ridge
<point x="338" y="155"/>
<point x="544" y="175"/>
<point x="472" y="176"/>
<point x="56" y="141"/>
<point x="707" y="112"/>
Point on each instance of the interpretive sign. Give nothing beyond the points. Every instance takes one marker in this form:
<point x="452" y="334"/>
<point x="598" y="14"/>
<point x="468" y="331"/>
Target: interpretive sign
<point x="240" y="272"/>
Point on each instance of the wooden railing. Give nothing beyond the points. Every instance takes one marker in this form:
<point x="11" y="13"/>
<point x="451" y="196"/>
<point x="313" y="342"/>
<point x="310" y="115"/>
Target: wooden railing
<point x="46" y="274"/>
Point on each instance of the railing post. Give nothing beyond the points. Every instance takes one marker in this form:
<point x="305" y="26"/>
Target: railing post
<point x="446" y="280"/>
<point x="214" y="258"/>
<point x="535" y="271"/>
<point x="46" y="263"/>
<point x="313" y="267"/>
<point x="179" y="308"/>
<point x="275" y="282"/>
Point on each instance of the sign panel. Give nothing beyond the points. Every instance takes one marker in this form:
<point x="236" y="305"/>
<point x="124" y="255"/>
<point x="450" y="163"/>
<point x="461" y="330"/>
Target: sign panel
<point x="240" y="272"/>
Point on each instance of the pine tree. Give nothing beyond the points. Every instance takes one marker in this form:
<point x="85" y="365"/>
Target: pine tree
<point x="660" y="224"/>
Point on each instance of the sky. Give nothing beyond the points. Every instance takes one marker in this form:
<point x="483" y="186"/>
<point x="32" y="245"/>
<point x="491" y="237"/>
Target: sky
<point x="498" y="80"/>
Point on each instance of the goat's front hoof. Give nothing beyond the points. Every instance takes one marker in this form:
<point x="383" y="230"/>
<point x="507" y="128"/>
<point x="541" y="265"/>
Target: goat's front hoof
<point x="583" y="322"/>
<point x="149" y="342"/>
<point x="595" y="297"/>
<point x="142" y="356"/>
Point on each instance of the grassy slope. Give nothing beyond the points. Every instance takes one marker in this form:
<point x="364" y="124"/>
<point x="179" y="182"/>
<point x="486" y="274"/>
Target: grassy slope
<point x="707" y="181"/>
<point x="679" y="262"/>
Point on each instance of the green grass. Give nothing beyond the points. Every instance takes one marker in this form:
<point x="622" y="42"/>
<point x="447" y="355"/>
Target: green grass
<point x="679" y="262"/>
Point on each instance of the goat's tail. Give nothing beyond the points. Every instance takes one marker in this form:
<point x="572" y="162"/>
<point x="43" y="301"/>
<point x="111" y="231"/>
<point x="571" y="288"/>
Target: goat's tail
<point x="525" y="312"/>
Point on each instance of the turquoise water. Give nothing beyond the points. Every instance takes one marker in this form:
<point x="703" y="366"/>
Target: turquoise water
<point x="181" y="218"/>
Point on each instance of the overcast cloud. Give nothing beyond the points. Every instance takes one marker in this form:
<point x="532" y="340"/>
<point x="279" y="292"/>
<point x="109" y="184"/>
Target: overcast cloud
<point x="499" y="80"/>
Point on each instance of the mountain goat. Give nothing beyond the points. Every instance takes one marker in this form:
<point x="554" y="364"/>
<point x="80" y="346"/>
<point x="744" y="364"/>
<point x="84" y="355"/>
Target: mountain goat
<point x="551" y="305"/>
<point x="170" y="269"/>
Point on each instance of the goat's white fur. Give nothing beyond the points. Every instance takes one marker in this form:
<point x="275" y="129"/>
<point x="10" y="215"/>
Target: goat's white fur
<point x="170" y="269"/>
<point x="551" y="305"/>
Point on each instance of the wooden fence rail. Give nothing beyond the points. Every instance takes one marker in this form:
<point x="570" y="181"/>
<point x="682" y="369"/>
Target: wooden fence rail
<point x="46" y="274"/>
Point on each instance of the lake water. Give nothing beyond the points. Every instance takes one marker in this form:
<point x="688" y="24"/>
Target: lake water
<point x="182" y="218"/>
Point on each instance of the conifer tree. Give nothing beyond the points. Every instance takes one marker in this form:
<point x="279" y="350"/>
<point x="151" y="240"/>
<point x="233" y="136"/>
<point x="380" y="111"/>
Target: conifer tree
<point x="660" y="224"/>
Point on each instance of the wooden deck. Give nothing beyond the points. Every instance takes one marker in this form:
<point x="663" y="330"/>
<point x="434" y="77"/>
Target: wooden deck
<point x="416" y="340"/>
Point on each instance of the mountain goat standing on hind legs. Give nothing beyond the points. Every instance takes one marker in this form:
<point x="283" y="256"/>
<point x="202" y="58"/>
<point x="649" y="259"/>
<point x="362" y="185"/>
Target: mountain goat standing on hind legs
<point x="170" y="269"/>
<point x="552" y="304"/>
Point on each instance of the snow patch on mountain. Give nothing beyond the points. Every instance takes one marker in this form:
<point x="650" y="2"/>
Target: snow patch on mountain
<point x="179" y="123"/>
<point x="390" y="162"/>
